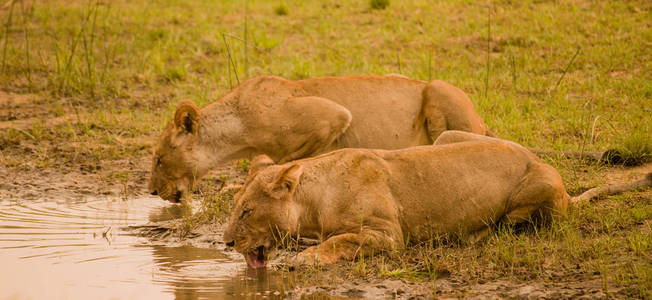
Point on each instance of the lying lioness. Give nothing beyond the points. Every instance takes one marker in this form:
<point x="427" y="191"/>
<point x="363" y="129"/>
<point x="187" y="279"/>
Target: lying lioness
<point x="360" y="201"/>
<point x="288" y="120"/>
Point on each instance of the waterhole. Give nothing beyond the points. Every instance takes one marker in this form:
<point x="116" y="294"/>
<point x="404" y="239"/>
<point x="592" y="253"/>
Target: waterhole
<point x="85" y="249"/>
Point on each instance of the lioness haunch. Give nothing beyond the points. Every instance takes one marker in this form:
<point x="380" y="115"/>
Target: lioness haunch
<point x="361" y="201"/>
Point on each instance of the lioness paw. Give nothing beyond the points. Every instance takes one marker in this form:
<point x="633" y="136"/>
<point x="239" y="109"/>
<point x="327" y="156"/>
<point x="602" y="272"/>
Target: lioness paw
<point x="306" y="257"/>
<point x="312" y="256"/>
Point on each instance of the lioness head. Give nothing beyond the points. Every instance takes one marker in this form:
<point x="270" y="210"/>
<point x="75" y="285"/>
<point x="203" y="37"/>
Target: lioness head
<point x="264" y="211"/>
<point x="175" y="163"/>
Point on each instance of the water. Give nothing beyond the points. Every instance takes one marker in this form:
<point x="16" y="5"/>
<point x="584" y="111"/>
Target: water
<point x="85" y="250"/>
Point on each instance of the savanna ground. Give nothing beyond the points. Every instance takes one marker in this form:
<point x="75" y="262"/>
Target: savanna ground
<point x="86" y="87"/>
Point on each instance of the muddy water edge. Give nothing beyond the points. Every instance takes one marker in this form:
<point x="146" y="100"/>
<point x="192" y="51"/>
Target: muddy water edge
<point x="74" y="235"/>
<point x="88" y="248"/>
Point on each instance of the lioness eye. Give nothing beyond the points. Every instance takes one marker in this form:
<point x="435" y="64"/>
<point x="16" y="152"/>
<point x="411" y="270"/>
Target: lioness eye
<point x="158" y="161"/>
<point x="244" y="213"/>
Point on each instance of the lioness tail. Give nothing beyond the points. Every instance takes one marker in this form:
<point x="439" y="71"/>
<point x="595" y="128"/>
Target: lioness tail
<point x="612" y="189"/>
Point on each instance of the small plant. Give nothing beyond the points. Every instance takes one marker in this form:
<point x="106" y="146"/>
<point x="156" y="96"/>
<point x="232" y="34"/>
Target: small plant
<point x="635" y="149"/>
<point x="174" y="73"/>
<point x="123" y="179"/>
<point x="281" y="9"/>
<point x="189" y="221"/>
<point x="243" y="165"/>
<point x="640" y="243"/>
<point x="379" y="4"/>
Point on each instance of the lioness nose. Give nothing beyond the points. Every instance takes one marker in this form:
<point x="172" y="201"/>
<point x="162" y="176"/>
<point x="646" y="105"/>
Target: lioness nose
<point x="231" y="243"/>
<point x="154" y="193"/>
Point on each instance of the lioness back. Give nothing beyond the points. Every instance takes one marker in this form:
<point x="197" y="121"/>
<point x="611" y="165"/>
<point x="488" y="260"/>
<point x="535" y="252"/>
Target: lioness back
<point x="368" y="99"/>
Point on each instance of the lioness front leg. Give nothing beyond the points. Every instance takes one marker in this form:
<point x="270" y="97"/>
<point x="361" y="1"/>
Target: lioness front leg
<point x="348" y="246"/>
<point x="313" y="124"/>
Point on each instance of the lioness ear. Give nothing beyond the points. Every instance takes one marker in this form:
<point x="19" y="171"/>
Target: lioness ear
<point x="186" y="117"/>
<point x="259" y="162"/>
<point x="286" y="181"/>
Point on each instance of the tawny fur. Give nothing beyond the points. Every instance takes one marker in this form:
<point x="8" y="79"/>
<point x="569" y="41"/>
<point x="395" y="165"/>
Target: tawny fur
<point x="289" y="120"/>
<point x="360" y="201"/>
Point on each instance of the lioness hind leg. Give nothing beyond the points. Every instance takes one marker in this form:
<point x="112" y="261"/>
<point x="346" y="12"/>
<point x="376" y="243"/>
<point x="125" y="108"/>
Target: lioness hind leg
<point x="541" y="191"/>
<point x="446" y="107"/>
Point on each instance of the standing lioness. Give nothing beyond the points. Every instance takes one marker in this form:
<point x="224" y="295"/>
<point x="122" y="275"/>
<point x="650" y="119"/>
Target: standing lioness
<point x="288" y="120"/>
<point x="360" y="201"/>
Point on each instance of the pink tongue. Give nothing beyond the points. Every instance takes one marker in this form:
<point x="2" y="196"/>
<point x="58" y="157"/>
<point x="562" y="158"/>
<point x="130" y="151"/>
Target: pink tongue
<point x="253" y="262"/>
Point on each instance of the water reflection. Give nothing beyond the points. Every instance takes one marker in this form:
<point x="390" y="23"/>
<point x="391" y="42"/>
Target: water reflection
<point x="166" y="213"/>
<point x="82" y="250"/>
<point x="194" y="273"/>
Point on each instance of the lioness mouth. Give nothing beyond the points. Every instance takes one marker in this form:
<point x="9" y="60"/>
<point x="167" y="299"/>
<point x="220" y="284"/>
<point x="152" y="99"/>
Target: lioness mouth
<point x="177" y="197"/>
<point x="257" y="258"/>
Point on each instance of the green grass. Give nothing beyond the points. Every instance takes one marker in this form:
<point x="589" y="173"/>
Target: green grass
<point x="570" y="75"/>
<point x="137" y="53"/>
